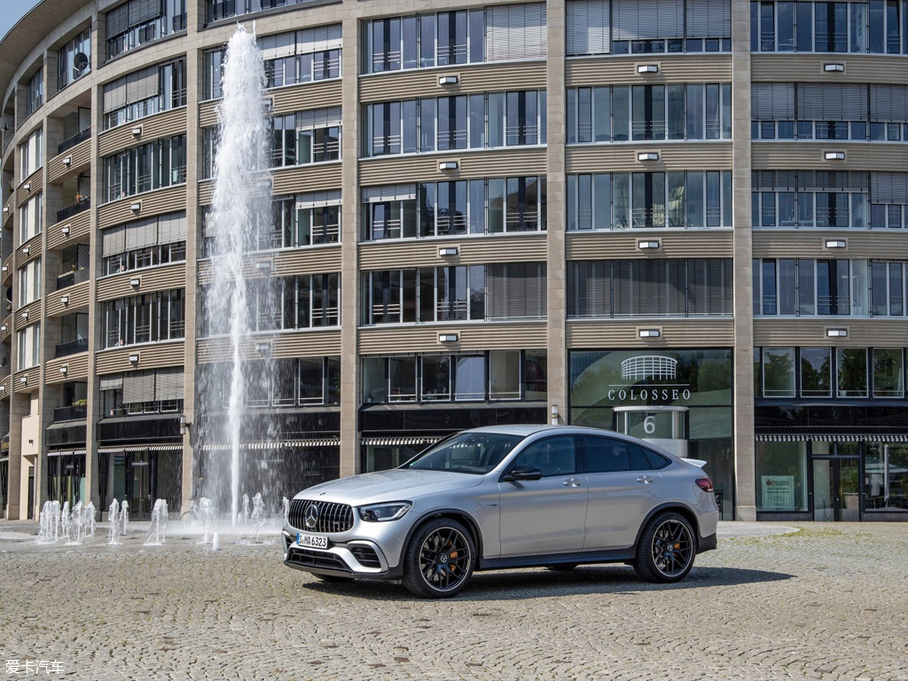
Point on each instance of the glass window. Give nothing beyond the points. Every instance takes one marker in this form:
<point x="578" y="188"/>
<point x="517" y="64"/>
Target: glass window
<point x="888" y="372"/>
<point x="816" y="372"/>
<point x="604" y="455"/>
<point x="504" y="375"/>
<point x="469" y="378"/>
<point x="852" y="372"/>
<point x="886" y="477"/>
<point x="552" y="456"/>
<point x="781" y="476"/>
<point x="402" y="379"/>
<point x="778" y="372"/>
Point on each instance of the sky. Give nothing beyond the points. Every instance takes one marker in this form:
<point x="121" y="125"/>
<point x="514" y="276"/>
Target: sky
<point x="13" y="10"/>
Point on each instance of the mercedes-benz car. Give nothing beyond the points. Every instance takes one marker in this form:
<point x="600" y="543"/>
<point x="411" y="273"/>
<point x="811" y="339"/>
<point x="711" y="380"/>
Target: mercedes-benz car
<point x="507" y="497"/>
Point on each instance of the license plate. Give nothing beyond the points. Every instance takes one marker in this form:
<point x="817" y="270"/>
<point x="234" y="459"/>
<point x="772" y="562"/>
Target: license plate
<point x="312" y="540"/>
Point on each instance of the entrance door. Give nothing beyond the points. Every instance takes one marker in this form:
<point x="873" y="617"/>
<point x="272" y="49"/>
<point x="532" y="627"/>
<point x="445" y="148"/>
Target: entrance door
<point x="138" y="478"/>
<point x="836" y="489"/>
<point x="665" y="427"/>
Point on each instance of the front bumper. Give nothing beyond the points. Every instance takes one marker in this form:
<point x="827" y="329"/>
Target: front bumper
<point x="352" y="558"/>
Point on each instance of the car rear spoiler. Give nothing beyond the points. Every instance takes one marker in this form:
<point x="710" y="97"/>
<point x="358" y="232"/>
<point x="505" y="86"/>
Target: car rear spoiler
<point x="697" y="462"/>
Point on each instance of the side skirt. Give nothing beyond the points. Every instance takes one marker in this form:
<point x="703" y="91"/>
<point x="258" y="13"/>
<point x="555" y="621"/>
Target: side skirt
<point x="615" y="556"/>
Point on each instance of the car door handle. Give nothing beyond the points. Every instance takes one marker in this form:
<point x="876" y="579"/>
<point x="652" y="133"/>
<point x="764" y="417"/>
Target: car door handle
<point x="572" y="482"/>
<point x="645" y="479"/>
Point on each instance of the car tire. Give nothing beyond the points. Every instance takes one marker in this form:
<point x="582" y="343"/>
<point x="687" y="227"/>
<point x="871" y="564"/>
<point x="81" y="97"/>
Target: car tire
<point x="439" y="559"/>
<point x="666" y="550"/>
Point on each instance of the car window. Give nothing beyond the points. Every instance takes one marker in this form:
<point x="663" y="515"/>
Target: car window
<point x="604" y="455"/>
<point x="639" y="461"/>
<point x="476" y="453"/>
<point x="552" y="456"/>
<point x="656" y="461"/>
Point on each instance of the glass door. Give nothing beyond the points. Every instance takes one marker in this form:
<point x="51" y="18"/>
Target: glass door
<point x="138" y="478"/>
<point x="665" y="427"/>
<point x="836" y="490"/>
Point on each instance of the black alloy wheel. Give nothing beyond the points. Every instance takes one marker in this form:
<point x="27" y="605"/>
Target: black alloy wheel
<point x="439" y="560"/>
<point x="666" y="550"/>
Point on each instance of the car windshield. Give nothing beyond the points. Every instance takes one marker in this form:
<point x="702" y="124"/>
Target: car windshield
<point x="475" y="453"/>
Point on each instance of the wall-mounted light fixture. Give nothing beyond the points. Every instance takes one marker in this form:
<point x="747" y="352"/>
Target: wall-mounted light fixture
<point x="834" y="155"/>
<point x="650" y="333"/>
<point x="263" y="265"/>
<point x="137" y="131"/>
<point x="6" y="209"/>
<point x="133" y="359"/>
<point x="447" y="165"/>
<point x="554" y="412"/>
<point x="23" y="380"/>
<point x="648" y="68"/>
<point x="26" y="250"/>
<point x="64" y="300"/>
<point x="64" y="369"/>
<point x="837" y="333"/>
<point x="648" y="156"/>
<point x="648" y="245"/>
<point x="25" y="315"/>
<point x="184" y="424"/>
<point x="68" y="161"/>
<point x="135" y="207"/>
<point x="833" y="68"/>
<point x="263" y="348"/>
<point x="3" y="328"/>
<point x="65" y="229"/>
<point x="447" y="250"/>
<point x="135" y="282"/>
<point x="27" y="186"/>
<point x="447" y="80"/>
<point x="836" y="243"/>
<point x="4" y="269"/>
<point x="447" y="338"/>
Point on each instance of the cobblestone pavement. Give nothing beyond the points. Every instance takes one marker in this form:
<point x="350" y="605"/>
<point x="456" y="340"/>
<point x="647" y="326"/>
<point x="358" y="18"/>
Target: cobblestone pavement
<point x="820" y="602"/>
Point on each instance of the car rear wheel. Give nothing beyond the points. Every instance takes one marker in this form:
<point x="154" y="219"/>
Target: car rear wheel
<point x="666" y="550"/>
<point x="439" y="559"/>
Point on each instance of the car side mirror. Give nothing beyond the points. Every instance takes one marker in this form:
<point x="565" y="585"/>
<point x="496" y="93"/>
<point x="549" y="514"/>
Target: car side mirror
<point x="523" y="473"/>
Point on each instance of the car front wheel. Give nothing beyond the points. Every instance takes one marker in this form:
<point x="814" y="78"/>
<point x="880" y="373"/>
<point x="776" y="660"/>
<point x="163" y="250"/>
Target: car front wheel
<point x="666" y="550"/>
<point x="439" y="559"/>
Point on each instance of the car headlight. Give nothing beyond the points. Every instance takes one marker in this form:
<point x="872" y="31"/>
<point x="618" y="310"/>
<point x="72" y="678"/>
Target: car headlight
<point x="379" y="513"/>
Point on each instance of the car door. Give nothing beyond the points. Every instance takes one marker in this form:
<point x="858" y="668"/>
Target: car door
<point x="546" y="515"/>
<point x="623" y="489"/>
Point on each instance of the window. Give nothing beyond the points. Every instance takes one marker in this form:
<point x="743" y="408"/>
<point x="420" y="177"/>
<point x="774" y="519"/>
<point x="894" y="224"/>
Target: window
<point x="31" y="218"/>
<point x="31" y="153"/>
<point x="144" y="243"/>
<point x="500" y="33"/>
<point x="778" y="372"/>
<point x="143" y="392"/>
<point x="816" y="372"/>
<point x="851" y="372"/>
<point x="29" y="344"/>
<point x="888" y="366"/>
<point x="74" y="59"/>
<point x="604" y="455"/>
<point x="681" y="199"/>
<point x="34" y="93"/>
<point x="156" y="88"/>
<point x="30" y="282"/>
<point x="785" y="464"/>
<point x="222" y="9"/>
<point x="553" y="456"/>
<point x="158" y="164"/>
<point x="661" y="287"/>
<point x="306" y="137"/>
<point x="478" y="121"/>
<point x="632" y="27"/>
<point x="856" y="27"/>
<point x="137" y="22"/>
<point x="302" y="56"/>
<point x="886" y="477"/>
<point x="145" y="318"/>
<point x="489" y="206"/>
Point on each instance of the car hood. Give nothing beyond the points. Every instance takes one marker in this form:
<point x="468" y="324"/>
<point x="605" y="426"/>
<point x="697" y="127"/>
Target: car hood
<point x="392" y="485"/>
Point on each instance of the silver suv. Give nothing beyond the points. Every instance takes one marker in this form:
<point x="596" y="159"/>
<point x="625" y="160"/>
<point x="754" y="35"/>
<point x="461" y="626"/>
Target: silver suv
<point x="507" y="497"/>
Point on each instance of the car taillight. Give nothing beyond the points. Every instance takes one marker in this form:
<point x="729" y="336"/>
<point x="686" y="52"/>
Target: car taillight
<point x="705" y="484"/>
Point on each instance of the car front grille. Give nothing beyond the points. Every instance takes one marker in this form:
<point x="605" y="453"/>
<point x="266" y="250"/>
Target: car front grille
<point x="366" y="556"/>
<point x="316" y="559"/>
<point x="331" y="517"/>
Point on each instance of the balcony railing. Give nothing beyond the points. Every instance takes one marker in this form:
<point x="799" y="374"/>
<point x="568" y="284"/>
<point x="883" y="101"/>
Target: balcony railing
<point x="71" y="348"/>
<point x="75" y="413"/>
<point x="74" y="140"/>
<point x="71" y="278"/>
<point x="73" y="209"/>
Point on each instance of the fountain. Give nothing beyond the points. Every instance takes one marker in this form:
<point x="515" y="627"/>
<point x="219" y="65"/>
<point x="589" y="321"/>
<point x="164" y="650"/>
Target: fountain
<point x="75" y="524"/>
<point x="258" y="515"/>
<point x="246" y="509"/>
<point x="113" y="517"/>
<point x="49" y="523"/>
<point x="158" y="523"/>
<point x="241" y="208"/>
<point x="124" y="517"/>
<point x="64" y="522"/>
<point x="88" y="519"/>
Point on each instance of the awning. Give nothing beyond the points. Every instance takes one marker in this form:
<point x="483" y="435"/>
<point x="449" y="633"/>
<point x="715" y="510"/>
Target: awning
<point x="314" y="442"/>
<point x="829" y="437"/>
<point x="402" y="441"/>
<point x="67" y="452"/>
<point x="141" y="448"/>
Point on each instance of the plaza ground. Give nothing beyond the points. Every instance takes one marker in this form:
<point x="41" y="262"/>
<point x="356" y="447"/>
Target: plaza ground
<point x="805" y="601"/>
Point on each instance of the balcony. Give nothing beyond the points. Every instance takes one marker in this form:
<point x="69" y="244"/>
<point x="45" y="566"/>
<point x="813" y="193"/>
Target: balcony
<point x="72" y="278"/>
<point x="71" y="348"/>
<point x="74" y="413"/>
<point x="74" y="140"/>
<point x="73" y="209"/>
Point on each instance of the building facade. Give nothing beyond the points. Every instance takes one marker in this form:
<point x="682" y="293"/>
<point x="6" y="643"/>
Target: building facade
<point x="680" y="219"/>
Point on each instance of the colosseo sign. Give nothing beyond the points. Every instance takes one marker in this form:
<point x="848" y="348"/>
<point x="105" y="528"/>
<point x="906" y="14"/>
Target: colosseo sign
<point x="612" y="378"/>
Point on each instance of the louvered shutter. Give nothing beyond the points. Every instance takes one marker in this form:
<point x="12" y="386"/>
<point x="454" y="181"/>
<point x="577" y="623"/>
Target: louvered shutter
<point x="113" y="241"/>
<point x="168" y="384"/>
<point x="394" y="192"/>
<point x="318" y="39"/>
<point x="622" y="273"/>
<point x="889" y="188"/>
<point x="277" y="46"/>
<point x="643" y="19"/>
<point x="496" y="293"/>
<point x="112" y="382"/>
<point x="889" y="103"/>
<point x="115" y="95"/>
<point x="118" y="20"/>
<point x="171" y="228"/>
<point x="772" y="101"/>
<point x="331" y="197"/>
<point x="141" y="11"/>
<point x="649" y="287"/>
<point x="318" y="118"/>
<point x="138" y="386"/>
<point x="832" y="102"/>
<point x="588" y="27"/>
<point x="697" y="299"/>
<point x="719" y="286"/>
<point x="515" y="32"/>
<point x="142" y="84"/>
<point x="708" y="18"/>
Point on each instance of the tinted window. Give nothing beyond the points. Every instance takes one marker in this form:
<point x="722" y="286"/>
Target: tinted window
<point x="476" y="453"/>
<point x="605" y="455"/>
<point x="655" y="460"/>
<point x="553" y="456"/>
<point x="639" y="462"/>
